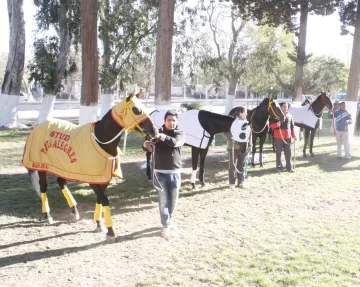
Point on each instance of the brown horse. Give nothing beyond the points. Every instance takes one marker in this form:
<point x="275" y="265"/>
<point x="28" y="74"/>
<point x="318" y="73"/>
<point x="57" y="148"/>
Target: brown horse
<point x="44" y="155"/>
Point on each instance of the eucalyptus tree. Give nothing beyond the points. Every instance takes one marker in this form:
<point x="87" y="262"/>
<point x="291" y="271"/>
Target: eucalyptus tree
<point x="64" y="17"/>
<point x="90" y="62"/>
<point x="124" y="29"/>
<point x="350" y="18"/>
<point x="284" y="12"/>
<point x="10" y="89"/>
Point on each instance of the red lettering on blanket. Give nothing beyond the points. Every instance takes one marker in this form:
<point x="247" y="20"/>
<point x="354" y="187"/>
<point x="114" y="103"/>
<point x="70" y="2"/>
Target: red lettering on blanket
<point x="59" y="135"/>
<point x="40" y="165"/>
<point x="59" y="144"/>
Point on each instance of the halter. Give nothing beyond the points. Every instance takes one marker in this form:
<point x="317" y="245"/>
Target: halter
<point x="269" y="108"/>
<point x="324" y="103"/>
<point x="123" y="115"/>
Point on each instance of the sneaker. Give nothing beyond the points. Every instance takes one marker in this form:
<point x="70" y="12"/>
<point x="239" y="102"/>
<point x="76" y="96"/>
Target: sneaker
<point x="291" y="171"/>
<point x="348" y="157"/>
<point x="232" y="186"/>
<point x="339" y="157"/>
<point x="278" y="169"/>
<point x="165" y="231"/>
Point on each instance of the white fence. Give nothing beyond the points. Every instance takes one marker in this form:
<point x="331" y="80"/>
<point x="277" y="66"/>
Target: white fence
<point x="214" y="105"/>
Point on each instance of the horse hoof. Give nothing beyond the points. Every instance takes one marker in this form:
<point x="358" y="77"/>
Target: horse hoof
<point x="261" y="165"/>
<point x="253" y="164"/>
<point x="75" y="216"/>
<point x="304" y="155"/>
<point x="202" y="183"/>
<point x="50" y="220"/>
<point x="149" y="178"/>
<point x="193" y="186"/>
<point x="312" y="155"/>
<point x="110" y="239"/>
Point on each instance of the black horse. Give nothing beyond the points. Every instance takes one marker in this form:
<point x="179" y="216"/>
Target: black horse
<point x="258" y="119"/>
<point x="314" y="110"/>
<point x="213" y="123"/>
<point x="130" y="113"/>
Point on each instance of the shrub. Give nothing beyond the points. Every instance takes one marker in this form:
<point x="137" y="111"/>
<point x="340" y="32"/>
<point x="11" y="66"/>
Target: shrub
<point x="191" y="106"/>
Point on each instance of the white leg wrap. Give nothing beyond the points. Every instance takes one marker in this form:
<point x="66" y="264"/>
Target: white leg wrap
<point x="193" y="176"/>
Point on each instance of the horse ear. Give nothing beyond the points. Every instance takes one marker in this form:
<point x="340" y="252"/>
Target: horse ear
<point x="130" y="96"/>
<point x="139" y="94"/>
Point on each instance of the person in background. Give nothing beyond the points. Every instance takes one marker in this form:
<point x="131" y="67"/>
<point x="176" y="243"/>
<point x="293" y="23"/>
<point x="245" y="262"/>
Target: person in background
<point x="166" y="149"/>
<point x="283" y="133"/>
<point x="342" y="119"/>
<point x="239" y="144"/>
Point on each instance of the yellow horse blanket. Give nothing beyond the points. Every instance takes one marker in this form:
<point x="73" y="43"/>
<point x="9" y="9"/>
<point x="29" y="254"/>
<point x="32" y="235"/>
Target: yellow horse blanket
<point x="69" y="151"/>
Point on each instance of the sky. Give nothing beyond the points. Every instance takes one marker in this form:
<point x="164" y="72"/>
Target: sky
<point x="323" y="34"/>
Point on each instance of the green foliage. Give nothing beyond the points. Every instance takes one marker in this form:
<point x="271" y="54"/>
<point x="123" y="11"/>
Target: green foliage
<point x="191" y="106"/>
<point x="42" y="68"/>
<point x="348" y="12"/>
<point x="48" y="14"/>
<point x="325" y="73"/>
<point x="281" y="12"/>
<point x="124" y="28"/>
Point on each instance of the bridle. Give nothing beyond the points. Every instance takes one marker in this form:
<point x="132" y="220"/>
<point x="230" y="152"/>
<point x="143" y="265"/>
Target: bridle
<point x="132" y="127"/>
<point x="322" y="98"/>
<point x="273" y="112"/>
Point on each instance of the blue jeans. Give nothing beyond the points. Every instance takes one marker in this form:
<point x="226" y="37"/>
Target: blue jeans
<point x="167" y="186"/>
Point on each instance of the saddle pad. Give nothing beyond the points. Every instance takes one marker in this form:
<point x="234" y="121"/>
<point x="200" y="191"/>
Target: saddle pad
<point x="68" y="151"/>
<point x="303" y="116"/>
<point x="188" y="122"/>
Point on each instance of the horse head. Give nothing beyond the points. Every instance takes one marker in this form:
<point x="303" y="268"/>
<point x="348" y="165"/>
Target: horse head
<point x="325" y="100"/>
<point x="131" y="114"/>
<point x="275" y="111"/>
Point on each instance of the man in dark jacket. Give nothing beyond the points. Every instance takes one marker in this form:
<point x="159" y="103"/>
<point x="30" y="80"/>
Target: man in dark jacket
<point x="166" y="149"/>
<point x="283" y="132"/>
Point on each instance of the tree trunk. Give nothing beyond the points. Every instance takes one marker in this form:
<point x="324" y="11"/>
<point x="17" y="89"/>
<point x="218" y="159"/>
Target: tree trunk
<point x="164" y="52"/>
<point x="10" y="90"/>
<point x="47" y="106"/>
<point x="301" y="54"/>
<point x="65" y="43"/>
<point x="354" y="74"/>
<point x="230" y="96"/>
<point x="90" y="62"/>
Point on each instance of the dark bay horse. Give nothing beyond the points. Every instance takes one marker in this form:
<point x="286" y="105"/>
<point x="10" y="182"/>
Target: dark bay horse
<point x="104" y="137"/>
<point x="308" y="116"/>
<point x="258" y="119"/>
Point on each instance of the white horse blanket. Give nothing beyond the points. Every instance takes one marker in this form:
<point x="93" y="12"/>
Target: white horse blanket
<point x="188" y="122"/>
<point x="303" y="116"/>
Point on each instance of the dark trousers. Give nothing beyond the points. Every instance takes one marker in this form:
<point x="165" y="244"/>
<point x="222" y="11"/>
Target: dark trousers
<point x="279" y="146"/>
<point x="239" y="163"/>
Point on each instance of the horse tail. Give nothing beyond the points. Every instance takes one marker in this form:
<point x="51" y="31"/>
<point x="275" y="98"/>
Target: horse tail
<point x="34" y="178"/>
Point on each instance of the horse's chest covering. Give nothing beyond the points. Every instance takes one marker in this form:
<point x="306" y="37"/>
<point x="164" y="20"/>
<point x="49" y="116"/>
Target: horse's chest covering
<point x="303" y="116"/>
<point x="188" y="122"/>
<point x="68" y="151"/>
<point x="240" y="130"/>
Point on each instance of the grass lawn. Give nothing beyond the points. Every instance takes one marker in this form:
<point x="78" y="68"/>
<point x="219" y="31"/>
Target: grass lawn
<point x="300" y="229"/>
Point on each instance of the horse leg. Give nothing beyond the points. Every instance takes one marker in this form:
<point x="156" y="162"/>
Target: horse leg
<point x="44" y="201"/>
<point x="306" y="137"/>
<point x="253" y="150"/>
<point x="312" y="136"/>
<point x="194" y="161"/>
<point x="69" y="198"/>
<point x="203" y="153"/>
<point x="100" y="189"/>
<point x="148" y="168"/>
<point x="262" y="141"/>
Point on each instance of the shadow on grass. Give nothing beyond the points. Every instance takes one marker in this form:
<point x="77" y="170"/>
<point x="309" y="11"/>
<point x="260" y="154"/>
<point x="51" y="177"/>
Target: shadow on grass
<point x="40" y="255"/>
